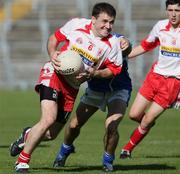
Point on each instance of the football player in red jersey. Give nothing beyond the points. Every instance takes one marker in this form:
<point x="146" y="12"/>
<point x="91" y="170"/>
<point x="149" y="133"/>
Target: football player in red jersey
<point x="93" y="40"/>
<point x="162" y="84"/>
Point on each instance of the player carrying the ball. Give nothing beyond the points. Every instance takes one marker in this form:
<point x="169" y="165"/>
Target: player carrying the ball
<point x="93" y="40"/>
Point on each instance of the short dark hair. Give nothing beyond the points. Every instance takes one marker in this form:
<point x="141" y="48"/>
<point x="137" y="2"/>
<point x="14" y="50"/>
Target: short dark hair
<point x="103" y="7"/>
<point x="172" y="2"/>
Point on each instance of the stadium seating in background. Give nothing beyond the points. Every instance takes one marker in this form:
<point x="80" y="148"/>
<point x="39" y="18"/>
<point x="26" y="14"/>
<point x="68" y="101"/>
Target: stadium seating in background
<point x="32" y="23"/>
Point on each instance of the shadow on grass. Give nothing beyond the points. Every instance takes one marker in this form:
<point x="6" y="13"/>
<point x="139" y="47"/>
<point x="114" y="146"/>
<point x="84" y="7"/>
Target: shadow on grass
<point x="145" y="167"/>
<point x="162" y="156"/>
<point x="154" y="167"/>
<point x="4" y="146"/>
<point x="40" y="146"/>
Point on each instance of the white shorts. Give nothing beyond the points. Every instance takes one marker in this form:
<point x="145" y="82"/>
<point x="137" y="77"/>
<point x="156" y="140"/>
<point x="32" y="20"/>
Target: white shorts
<point x="101" y="99"/>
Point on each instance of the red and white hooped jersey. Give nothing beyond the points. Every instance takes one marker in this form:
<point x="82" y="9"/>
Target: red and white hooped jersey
<point x="168" y="40"/>
<point x="95" y="51"/>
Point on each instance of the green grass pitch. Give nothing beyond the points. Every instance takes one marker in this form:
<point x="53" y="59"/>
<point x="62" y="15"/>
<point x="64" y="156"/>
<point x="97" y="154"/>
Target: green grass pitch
<point x="158" y="153"/>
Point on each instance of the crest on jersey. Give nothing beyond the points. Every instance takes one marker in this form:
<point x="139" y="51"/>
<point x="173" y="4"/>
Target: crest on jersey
<point x="79" y="40"/>
<point x="174" y="41"/>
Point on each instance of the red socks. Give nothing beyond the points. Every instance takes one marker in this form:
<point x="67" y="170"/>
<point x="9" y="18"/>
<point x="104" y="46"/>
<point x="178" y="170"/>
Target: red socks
<point x="24" y="157"/>
<point x="136" y="138"/>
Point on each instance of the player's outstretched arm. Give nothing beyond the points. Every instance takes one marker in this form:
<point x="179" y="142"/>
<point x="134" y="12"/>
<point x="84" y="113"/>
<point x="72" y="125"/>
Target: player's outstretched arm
<point x="136" y="51"/>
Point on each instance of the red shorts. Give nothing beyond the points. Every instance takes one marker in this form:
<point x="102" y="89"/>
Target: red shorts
<point x="160" y="89"/>
<point x="48" y="77"/>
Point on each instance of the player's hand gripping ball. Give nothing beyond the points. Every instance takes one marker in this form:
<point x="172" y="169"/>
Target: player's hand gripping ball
<point x="71" y="63"/>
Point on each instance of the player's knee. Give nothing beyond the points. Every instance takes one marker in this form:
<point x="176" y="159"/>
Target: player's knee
<point x="74" y="124"/>
<point x="47" y="137"/>
<point x="133" y="116"/>
<point x="50" y="136"/>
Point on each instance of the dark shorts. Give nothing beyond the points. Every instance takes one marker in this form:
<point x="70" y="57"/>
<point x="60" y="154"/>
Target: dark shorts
<point x="47" y="93"/>
<point x="49" y="78"/>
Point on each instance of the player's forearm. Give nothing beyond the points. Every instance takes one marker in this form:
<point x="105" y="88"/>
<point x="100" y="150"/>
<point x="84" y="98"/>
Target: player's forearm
<point x="104" y="73"/>
<point x="52" y="45"/>
<point x="138" y="50"/>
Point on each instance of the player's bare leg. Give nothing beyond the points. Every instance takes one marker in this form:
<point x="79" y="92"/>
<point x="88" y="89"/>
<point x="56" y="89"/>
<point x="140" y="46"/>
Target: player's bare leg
<point x="148" y="120"/>
<point x="138" y="108"/>
<point x="18" y="145"/>
<point x="48" y="117"/>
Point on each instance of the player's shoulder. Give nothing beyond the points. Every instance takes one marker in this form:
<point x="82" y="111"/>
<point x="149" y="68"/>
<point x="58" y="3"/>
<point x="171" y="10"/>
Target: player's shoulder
<point x="74" y="24"/>
<point x="79" y="21"/>
<point x="162" y="23"/>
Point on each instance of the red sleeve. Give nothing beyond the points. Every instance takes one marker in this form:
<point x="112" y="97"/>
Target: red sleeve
<point x="148" y="46"/>
<point x="59" y="36"/>
<point x="114" y="68"/>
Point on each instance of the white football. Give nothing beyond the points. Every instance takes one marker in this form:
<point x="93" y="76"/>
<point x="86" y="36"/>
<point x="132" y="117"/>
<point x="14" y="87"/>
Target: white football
<point x="71" y="62"/>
